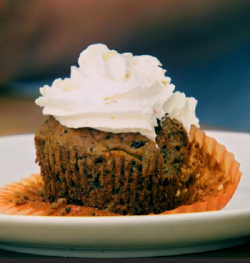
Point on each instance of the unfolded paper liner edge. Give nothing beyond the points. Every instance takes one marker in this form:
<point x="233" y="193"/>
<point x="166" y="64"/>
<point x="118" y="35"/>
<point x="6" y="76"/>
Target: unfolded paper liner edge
<point x="220" y="201"/>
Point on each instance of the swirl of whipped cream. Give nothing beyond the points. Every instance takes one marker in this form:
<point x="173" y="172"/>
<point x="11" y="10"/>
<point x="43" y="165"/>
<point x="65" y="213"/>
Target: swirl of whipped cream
<point x="182" y="109"/>
<point x="116" y="93"/>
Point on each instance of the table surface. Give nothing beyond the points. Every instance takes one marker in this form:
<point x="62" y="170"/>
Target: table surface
<point x="19" y="115"/>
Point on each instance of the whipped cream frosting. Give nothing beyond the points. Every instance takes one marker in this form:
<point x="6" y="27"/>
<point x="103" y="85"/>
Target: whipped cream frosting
<point x="117" y="93"/>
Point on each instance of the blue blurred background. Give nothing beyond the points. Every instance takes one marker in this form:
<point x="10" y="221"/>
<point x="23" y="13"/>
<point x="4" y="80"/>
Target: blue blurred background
<point x="204" y="45"/>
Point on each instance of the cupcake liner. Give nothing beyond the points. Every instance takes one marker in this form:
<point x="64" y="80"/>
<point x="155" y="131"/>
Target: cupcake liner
<point x="232" y="175"/>
<point x="26" y="196"/>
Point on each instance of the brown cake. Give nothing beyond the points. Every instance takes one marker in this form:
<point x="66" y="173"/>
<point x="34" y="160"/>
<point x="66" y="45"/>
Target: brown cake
<point x="124" y="173"/>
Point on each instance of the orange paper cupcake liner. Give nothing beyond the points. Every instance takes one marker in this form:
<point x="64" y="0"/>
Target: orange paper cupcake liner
<point x="26" y="196"/>
<point x="231" y="173"/>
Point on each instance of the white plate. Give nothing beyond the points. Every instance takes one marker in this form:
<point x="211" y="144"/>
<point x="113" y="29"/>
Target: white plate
<point x="135" y="236"/>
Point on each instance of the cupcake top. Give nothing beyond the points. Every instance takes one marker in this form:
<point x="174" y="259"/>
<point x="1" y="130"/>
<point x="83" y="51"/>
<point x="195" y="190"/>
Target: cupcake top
<point x="116" y="93"/>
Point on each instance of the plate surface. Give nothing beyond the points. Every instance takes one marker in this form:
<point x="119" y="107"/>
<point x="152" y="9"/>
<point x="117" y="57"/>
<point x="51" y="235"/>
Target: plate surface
<point x="134" y="236"/>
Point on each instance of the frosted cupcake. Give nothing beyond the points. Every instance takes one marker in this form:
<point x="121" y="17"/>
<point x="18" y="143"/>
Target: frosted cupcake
<point x="120" y="139"/>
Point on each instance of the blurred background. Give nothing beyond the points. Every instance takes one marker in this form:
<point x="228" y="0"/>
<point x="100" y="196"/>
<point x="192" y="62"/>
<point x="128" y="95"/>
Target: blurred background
<point x="204" y="45"/>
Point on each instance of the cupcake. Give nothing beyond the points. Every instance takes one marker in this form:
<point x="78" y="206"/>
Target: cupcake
<point x="118" y="138"/>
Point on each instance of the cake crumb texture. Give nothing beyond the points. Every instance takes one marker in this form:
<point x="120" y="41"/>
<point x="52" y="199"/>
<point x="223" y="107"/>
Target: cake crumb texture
<point x="126" y="173"/>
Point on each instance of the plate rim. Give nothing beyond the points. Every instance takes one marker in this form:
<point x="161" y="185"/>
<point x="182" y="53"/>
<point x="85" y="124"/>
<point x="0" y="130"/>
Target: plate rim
<point x="126" y="219"/>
